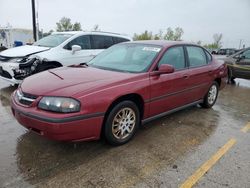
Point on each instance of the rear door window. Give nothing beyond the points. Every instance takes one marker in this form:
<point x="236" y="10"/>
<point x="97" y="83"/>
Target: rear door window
<point x="196" y="56"/>
<point x="101" y="41"/>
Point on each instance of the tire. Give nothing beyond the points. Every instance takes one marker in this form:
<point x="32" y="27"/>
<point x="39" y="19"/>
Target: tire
<point x="230" y="78"/>
<point x="211" y="96"/>
<point x="118" y="130"/>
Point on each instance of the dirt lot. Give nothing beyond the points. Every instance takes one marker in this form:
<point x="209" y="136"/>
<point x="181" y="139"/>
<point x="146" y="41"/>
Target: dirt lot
<point x="205" y="147"/>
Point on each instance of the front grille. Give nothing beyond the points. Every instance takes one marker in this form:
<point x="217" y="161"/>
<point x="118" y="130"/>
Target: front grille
<point x="5" y="74"/>
<point x="25" y="98"/>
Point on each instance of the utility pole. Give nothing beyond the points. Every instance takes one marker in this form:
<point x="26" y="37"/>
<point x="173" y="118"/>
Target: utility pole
<point x="34" y="19"/>
<point x="240" y="43"/>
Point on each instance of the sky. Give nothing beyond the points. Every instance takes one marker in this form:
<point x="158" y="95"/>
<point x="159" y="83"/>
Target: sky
<point x="200" y="19"/>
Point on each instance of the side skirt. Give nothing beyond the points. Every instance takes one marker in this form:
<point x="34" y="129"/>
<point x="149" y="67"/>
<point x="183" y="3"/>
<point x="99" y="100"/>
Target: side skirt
<point x="171" y="111"/>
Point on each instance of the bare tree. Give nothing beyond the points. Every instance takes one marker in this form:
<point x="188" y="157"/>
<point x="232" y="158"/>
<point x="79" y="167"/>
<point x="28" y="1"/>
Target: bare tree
<point x="96" y="28"/>
<point x="217" y="39"/>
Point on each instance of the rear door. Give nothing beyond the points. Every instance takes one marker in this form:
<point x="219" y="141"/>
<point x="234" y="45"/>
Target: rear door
<point x="200" y="71"/>
<point x="169" y="91"/>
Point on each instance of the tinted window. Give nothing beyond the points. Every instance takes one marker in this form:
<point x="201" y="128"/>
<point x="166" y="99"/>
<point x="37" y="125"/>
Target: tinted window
<point x="83" y="41"/>
<point x="117" y="40"/>
<point x="196" y="56"/>
<point x="174" y="56"/>
<point x="101" y="41"/>
<point x="246" y="54"/>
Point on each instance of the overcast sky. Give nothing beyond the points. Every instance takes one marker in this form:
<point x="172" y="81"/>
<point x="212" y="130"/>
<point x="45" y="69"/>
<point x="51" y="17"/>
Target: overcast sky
<point x="200" y="19"/>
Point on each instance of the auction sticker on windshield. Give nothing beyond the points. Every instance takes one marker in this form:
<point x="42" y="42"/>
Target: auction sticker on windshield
<point x="153" y="49"/>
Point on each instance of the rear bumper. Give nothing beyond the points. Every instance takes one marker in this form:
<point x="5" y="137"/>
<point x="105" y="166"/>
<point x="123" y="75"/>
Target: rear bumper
<point x="78" y="128"/>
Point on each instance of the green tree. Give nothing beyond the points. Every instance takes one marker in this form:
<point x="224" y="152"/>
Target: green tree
<point x="65" y="25"/>
<point x="159" y="36"/>
<point x="143" y="36"/>
<point x="77" y="26"/>
<point x="174" y="34"/>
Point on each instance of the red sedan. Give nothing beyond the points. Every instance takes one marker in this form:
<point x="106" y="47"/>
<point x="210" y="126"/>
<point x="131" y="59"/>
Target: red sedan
<point x="126" y="85"/>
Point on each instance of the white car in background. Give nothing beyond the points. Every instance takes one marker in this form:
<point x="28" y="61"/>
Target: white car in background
<point x="56" y="50"/>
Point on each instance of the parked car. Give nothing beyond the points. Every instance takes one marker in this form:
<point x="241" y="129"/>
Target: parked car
<point x="126" y="85"/>
<point x="239" y="65"/>
<point x="226" y="51"/>
<point x="56" y="50"/>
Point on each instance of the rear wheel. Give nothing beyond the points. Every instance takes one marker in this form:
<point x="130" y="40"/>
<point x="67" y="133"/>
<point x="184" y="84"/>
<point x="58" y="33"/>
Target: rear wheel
<point x="211" y="96"/>
<point x="121" y="123"/>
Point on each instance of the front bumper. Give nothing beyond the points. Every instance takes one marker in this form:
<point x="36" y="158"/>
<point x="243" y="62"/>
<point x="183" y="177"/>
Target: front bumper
<point x="7" y="74"/>
<point x="76" y="128"/>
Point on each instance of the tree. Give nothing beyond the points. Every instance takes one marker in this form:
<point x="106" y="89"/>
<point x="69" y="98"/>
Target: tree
<point x="169" y="35"/>
<point x="144" y="36"/>
<point x="96" y="28"/>
<point x="159" y="36"/>
<point x="217" y="40"/>
<point x="174" y="34"/>
<point x="65" y="25"/>
<point x="77" y="26"/>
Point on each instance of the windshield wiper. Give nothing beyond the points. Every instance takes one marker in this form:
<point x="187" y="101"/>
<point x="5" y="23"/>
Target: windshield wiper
<point x="84" y="64"/>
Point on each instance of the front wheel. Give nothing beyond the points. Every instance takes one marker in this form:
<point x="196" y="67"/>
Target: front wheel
<point x="121" y="123"/>
<point x="230" y="77"/>
<point x="211" y="96"/>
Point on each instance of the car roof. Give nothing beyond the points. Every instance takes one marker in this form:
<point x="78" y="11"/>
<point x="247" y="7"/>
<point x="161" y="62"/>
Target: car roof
<point x="163" y="43"/>
<point x="94" y="33"/>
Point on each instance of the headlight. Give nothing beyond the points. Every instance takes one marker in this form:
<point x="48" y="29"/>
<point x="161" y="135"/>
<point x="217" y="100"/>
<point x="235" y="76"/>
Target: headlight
<point x="59" y="104"/>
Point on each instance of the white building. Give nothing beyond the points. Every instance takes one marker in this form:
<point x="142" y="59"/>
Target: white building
<point x="8" y="36"/>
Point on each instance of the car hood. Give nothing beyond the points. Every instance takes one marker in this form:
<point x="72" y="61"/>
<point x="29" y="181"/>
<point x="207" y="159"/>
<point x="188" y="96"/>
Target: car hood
<point x="70" y="81"/>
<point x="22" y="51"/>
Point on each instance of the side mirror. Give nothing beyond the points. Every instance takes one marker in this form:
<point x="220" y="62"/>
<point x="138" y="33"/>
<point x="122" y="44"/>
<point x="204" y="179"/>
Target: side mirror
<point x="164" y="69"/>
<point x="75" y="48"/>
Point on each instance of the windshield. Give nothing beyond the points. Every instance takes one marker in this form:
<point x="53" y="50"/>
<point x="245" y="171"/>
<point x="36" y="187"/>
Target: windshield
<point x="52" y="40"/>
<point x="126" y="57"/>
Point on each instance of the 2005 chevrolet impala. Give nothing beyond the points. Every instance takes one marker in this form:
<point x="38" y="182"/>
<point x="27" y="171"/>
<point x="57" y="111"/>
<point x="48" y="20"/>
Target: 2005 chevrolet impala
<point x="126" y="85"/>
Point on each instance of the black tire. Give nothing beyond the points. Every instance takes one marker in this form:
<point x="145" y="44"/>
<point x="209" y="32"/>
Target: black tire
<point x="230" y="78"/>
<point x="109" y="130"/>
<point x="211" y="97"/>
